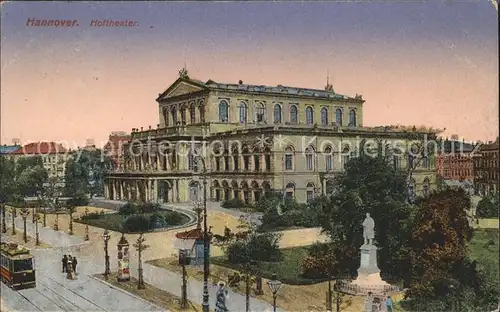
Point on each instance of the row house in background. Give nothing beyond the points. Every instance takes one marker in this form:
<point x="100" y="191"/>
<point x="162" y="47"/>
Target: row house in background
<point x="54" y="157"/>
<point x="454" y="161"/>
<point x="260" y="139"/>
<point x="114" y="146"/>
<point x="486" y="169"/>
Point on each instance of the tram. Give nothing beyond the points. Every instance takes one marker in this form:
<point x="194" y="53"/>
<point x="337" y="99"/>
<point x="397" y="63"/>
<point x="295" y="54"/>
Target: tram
<point x="17" y="268"/>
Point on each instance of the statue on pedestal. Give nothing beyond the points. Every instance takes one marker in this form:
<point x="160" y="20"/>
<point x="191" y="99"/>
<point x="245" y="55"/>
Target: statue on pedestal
<point x="368" y="229"/>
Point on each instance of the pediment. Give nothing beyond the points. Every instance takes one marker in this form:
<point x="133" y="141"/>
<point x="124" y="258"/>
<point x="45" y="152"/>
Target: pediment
<point x="180" y="87"/>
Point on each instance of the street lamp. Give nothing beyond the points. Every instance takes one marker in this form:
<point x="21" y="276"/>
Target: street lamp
<point x="206" y="265"/>
<point x="105" y="238"/>
<point x="4" y="224"/>
<point x="24" y="214"/>
<point x="140" y="246"/>
<point x="330" y="295"/>
<point x="13" y="214"/>
<point x="37" y="235"/>
<point x="275" y="285"/>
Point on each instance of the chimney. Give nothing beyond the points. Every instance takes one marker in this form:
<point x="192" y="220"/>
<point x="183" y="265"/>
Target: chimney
<point x="240" y="82"/>
<point x="142" y="128"/>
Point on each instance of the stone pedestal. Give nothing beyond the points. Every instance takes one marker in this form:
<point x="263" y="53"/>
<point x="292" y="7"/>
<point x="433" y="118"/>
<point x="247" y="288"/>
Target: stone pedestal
<point x="369" y="279"/>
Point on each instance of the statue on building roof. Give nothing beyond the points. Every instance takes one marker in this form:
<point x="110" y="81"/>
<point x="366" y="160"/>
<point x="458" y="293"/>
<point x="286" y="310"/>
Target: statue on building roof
<point x="329" y="86"/>
<point x="183" y="73"/>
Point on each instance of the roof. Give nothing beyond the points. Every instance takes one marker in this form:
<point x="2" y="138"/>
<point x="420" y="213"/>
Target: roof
<point x="489" y="147"/>
<point x="191" y="234"/>
<point x="41" y="148"/>
<point x="449" y="146"/>
<point x="279" y="89"/>
<point x="7" y="149"/>
<point x="12" y="249"/>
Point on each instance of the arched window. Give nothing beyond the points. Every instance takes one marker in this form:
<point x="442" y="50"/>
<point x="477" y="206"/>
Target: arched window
<point x="174" y="115"/>
<point x="290" y="190"/>
<point x="194" y="191"/>
<point x="223" y="111"/>
<point x="192" y="113"/>
<point x="309" y="158"/>
<point x="260" y="113"/>
<point x="352" y="118"/>
<point x="426" y="186"/>
<point x="183" y="115"/>
<point x="243" y="113"/>
<point x="293" y="114"/>
<point x="346" y="156"/>
<point x="202" y="111"/>
<point x="192" y="165"/>
<point x="328" y="158"/>
<point x="277" y="113"/>
<point x="165" y="116"/>
<point x="338" y="116"/>
<point x="309" y="191"/>
<point x="289" y="158"/>
<point x="324" y="116"/>
<point x="309" y="115"/>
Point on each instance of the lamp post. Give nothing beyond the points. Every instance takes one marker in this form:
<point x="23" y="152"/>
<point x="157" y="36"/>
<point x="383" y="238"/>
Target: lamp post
<point x="275" y="285"/>
<point x="37" y="235"/>
<point x="105" y="238"/>
<point x="184" y="260"/>
<point x="13" y="214"/>
<point x="140" y="246"/>
<point x="4" y="224"/>
<point x="329" y="300"/>
<point x="206" y="265"/>
<point x="24" y="214"/>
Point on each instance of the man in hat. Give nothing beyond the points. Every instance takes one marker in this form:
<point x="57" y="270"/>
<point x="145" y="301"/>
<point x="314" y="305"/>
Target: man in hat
<point x="221" y="296"/>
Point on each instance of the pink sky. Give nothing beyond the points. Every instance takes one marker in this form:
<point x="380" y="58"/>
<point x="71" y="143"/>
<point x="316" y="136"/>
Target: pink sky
<point x="87" y="85"/>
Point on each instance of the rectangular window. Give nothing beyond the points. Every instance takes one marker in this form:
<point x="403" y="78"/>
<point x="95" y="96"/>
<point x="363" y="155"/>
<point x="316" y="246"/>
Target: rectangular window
<point x="288" y="162"/>
<point x="256" y="162"/>
<point x="310" y="195"/>
<point x="328" y="163"/>
<point x="309" y="162"/>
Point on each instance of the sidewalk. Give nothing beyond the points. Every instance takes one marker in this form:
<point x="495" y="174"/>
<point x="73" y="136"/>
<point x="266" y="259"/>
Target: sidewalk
<point x="49" y="260"/>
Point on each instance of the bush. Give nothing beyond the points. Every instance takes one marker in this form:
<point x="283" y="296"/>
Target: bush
<point x="135" y="224"/>
<point x="259" y="247"/>
<point x="149" y="207"/>
<point x="92" y="216"/>
<point x="156" y="221"/>
<point x="488" y="207"/>
<point x="238" y="252"/>
<point x="265" y="247"/>
<point x="128" y="209"/>
<point x="173" y="218"/>
<point x="233" y="203"/>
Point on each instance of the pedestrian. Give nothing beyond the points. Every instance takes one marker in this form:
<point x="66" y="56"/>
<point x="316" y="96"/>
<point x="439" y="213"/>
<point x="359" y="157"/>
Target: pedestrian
<point x="369" y="303"/>
<point x="388" y="304"/>
<point x="64" y="263"/>
<point x="221" y="296"/>
<point x="74" y="263"/>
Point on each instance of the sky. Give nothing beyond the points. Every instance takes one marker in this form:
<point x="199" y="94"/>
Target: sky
<point x="415" y="63"/>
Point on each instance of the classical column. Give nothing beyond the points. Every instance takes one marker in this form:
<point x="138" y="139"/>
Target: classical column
<point x="106" y="189"/>
<point x="121" y="190"/>
<point x="158" y="161"/>
<point x="174" y="191"/>
<point x="155" y="191"/>
<point x="114" y="189"/>
<point x="177" y="190"/>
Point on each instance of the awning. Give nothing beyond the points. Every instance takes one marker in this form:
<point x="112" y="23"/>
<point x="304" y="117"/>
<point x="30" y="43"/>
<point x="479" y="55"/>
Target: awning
<point x="186" y="244"/>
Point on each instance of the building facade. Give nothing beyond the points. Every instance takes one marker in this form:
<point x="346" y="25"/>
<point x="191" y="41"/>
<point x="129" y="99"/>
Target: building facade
<point x="455" y="161"/>
<point x="54" y="157"/>
<point x="486" y="169"/>
<point x="246" y="140"/>
<point x="114" y="146"/>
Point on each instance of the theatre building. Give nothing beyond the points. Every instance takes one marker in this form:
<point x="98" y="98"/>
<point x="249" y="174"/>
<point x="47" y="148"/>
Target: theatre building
<point x="245" y="140"/>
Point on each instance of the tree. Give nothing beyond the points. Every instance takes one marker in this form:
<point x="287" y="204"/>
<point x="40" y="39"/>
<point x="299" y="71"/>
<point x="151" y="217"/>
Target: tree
<point x="30" y="176"/>
<point x="440" y="236"/>
<point x="85" y="173"/>
<point x="369" y="185"/>
<point x="488" y="207"/>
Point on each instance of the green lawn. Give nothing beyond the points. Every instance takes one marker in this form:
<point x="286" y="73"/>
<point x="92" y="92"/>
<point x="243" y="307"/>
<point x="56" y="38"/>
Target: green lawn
<point x="113" y="221"/>
<point x="484" y="247"/>
<point x="288" y="270"/>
